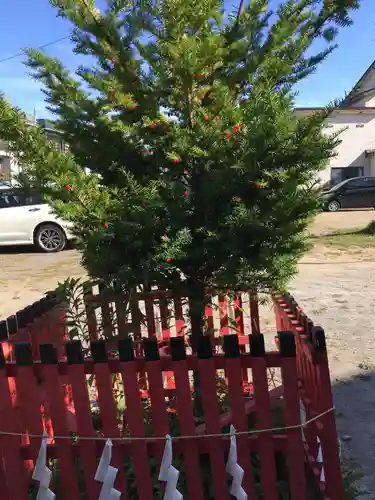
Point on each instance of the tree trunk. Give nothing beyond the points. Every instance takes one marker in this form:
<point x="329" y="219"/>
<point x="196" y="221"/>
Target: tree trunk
<point x="197" y="310"/>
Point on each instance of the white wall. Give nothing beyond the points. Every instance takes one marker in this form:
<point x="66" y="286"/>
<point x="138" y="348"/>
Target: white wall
<point x="357" y="136"/>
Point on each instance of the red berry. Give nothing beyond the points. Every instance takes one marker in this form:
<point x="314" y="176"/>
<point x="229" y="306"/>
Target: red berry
<point x="205" y="118"/>
<point x="105" y="225"/>
<point x="176" y="160"/>
<point x="169" y="259"/>
<point x="186" y="193"/>
<point x="153" y="125"/>
<point x="237" y="127"/>
<point x="68" y="188"/>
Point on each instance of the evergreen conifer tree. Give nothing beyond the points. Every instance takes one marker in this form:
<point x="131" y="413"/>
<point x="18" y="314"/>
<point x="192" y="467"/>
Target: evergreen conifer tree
<point x="184" y="115"/>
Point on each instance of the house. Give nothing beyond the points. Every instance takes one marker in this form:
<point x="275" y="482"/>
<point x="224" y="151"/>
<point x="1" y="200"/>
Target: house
<point x="9" y="167"/>
<point x="8" y="164"/>
<point x="356" y="115"/>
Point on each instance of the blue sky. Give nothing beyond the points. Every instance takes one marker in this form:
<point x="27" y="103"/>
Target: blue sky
<point x="30" y="23"/>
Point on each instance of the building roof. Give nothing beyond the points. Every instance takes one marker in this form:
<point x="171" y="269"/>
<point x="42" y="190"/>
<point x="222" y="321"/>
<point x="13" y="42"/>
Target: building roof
<point x="353" y="96"/>
<point x="355" y="93"/>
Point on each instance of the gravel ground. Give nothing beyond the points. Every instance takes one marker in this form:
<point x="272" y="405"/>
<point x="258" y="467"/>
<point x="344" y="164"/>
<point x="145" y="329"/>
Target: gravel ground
<point x="335" y="288"/>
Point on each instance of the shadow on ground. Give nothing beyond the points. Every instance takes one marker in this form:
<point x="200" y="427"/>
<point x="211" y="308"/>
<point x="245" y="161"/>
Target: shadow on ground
<point x="27" y="249"/>
<point x="354" y="400"/>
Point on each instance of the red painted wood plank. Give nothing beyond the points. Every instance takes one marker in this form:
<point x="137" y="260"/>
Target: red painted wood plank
<point x="10" y="445"/>
<point x="295" y="454"/>
<point x="107" y="320"/>
<point x="264" y="421"/>
<point x="28" y="400"/>
<point x="187" y="428"/>
<point x="136" y="317"/>
<point x="134" y="419"/>
<point x="238" y="315"/>
<point x="55" y="394"/>
<point x="209" y="314"/>
<point x="239" y="420"/>
<point x="254" y="312"/>
<point x="223" y="315"/>
<point x="110" y="422"/>
<point x="207" y="377"/>
<point x="87" y="449"/>
<point x="150" y="316"/>
<point x="90" y="312"/>
<point x="179" y="315"/>
<point x="164" y="317"/>
<point x="158" y="405"/>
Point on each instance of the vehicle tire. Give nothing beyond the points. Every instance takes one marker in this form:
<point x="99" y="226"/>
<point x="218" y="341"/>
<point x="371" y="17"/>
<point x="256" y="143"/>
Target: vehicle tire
<point x="50" y="238"/>
<point x="333" y="206"/>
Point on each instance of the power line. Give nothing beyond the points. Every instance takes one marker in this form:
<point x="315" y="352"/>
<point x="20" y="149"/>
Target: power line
<point x="40" y="47"/>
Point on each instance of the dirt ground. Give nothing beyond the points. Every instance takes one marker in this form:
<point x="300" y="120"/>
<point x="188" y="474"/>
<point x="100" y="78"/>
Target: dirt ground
<point x="335" y="287"/>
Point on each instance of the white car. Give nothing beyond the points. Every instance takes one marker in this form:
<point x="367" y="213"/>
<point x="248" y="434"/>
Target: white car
<point x="26" y="220"/>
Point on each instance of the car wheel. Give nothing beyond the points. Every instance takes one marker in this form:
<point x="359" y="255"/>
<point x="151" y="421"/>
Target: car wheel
<point x="50" y="238"/>
<point x="333" y="206"/>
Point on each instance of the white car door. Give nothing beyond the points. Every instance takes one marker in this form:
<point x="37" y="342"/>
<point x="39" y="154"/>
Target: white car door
<point x="17" y="219"/>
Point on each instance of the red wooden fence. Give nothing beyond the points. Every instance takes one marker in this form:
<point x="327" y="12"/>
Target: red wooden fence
<point x="201" y="460"/>
<point x="315" y="387"/>
<point x="41" y="322"/>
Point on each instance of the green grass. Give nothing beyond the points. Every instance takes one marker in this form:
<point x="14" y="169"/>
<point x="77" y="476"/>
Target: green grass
<point x="362" y="238"/>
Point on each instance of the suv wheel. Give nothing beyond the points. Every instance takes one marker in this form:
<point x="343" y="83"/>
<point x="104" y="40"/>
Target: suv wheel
<point x="50" y="238"/>
<point x="333" y="206"/>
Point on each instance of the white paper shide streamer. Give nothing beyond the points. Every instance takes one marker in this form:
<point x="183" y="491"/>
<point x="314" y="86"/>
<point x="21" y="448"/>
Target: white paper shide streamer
<point x="234" y="469"/>
<point x="169" y="474"/>
<point x="319" y="460"/>
<point x="42" y="473"/>
<point x="106" y="474"/>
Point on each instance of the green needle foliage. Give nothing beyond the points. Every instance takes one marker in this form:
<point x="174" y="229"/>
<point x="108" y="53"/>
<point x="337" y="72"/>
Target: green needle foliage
<point x="184" y="115"/>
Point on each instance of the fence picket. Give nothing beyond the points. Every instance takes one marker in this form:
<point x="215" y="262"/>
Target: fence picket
<point x="108" y="410"/>
<point x="90" y="312"/>
<point x="25" y="386"/>
<point x="54" y="392"/>
<point x="207" y="383"/>
<point x="179" y="316"/>
<point x="9" y="445"/>
<point x="254" y="312"/>
<point x="223" y="315"/>
<point x="185" y="413"/>
<point x="78" y="380"/>
<point x="156" y="392"/>
<point x="237" y="405"/>
<point x="134" y="419"/>
<point x="295" y="450"/>
<point x="263" y="417"/>
<point x="28" y="397"/>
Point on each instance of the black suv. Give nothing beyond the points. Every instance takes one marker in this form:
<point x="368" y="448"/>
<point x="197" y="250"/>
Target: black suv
<point x="358" y="192"/>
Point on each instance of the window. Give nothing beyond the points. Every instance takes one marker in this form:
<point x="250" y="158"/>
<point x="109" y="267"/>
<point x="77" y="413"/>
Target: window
<point x="370" y="182"/>
<point x="358" y="183"/>
<point x="341" y="174"/>
<point x="10" y="199"/>
<point x="15" y="198"/>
